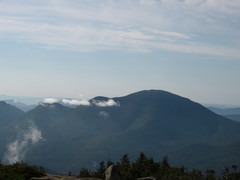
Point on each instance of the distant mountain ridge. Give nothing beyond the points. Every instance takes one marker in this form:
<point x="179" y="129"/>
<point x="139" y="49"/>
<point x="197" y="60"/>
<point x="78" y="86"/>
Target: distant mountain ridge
<point x="234" y="117"/>
<point x="9" y="114"/>
<point x="230" y="113"/>
<point x="225" y="111"/>
<point x="23" y="99"/>
<point x="152" y="121"/>
<point x="20" y="105"/>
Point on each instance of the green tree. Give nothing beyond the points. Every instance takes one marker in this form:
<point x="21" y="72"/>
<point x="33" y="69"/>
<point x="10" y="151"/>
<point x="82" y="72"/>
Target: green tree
<point x="100" y="171"/>
<point x="210" y="174"/>
<point x="234" y="171"/>
<point x="85" y="173"/>
<point x="109" y="163"/>
<point x="20" y="171"/>
<point x="225" y="173"/>
<point x="125" y="167"/>
<point x="164" y="168"/>
<point x="165" y="164"/>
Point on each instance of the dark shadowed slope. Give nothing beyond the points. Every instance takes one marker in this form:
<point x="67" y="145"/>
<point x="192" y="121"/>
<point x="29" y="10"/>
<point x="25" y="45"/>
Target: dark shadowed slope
<point x="158" y="118"/>
<point x="9" y="114"/>
<point x="234" y="117"/>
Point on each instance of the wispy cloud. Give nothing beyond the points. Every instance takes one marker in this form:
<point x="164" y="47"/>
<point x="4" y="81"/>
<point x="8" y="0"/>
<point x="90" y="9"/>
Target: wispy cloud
<point x="142" y="26"/>
<point x="104" y="114"/>
<point x="169" y="34"/>
<point x="17" y="149"/>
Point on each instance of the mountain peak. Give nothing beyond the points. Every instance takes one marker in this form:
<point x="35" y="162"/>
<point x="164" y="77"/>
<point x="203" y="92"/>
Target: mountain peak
<point x="9" y="113"/>
<point x="151" y="93"/>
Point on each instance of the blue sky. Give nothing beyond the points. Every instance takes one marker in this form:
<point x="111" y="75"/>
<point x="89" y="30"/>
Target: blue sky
<point x="85" y="48"/>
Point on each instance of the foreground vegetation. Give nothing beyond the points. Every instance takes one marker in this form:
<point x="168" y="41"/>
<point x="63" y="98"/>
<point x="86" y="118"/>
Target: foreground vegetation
<point x="145" y="167"/>
<point x="142" y="167"/>
<point x="19" y="171"/>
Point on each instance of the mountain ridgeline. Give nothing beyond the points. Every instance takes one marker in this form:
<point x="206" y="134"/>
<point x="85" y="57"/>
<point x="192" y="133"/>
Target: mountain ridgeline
<point x="155" y="122"/>
<point x="8" y="114"/>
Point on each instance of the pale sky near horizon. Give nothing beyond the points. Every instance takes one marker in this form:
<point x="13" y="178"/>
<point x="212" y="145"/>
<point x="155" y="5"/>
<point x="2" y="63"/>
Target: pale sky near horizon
<point x="86" y="48"/>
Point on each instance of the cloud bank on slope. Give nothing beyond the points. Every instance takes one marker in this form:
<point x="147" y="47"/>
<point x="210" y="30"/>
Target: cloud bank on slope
<point x="76" y="102"/>
<point x="108" y="103"/>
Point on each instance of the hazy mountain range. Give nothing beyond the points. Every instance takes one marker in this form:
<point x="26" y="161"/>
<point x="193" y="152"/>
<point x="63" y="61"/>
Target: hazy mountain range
<point x="230" y="113"/>
<point x="22" y="99"/>
<point x="155" y="122"/>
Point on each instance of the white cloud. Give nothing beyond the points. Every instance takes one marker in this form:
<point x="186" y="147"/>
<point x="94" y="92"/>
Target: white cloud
<point x="50" y="100"/>
<point x="17" y="149"/>
<point x="108" y="103"/>
<point x="76" y="102"/>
